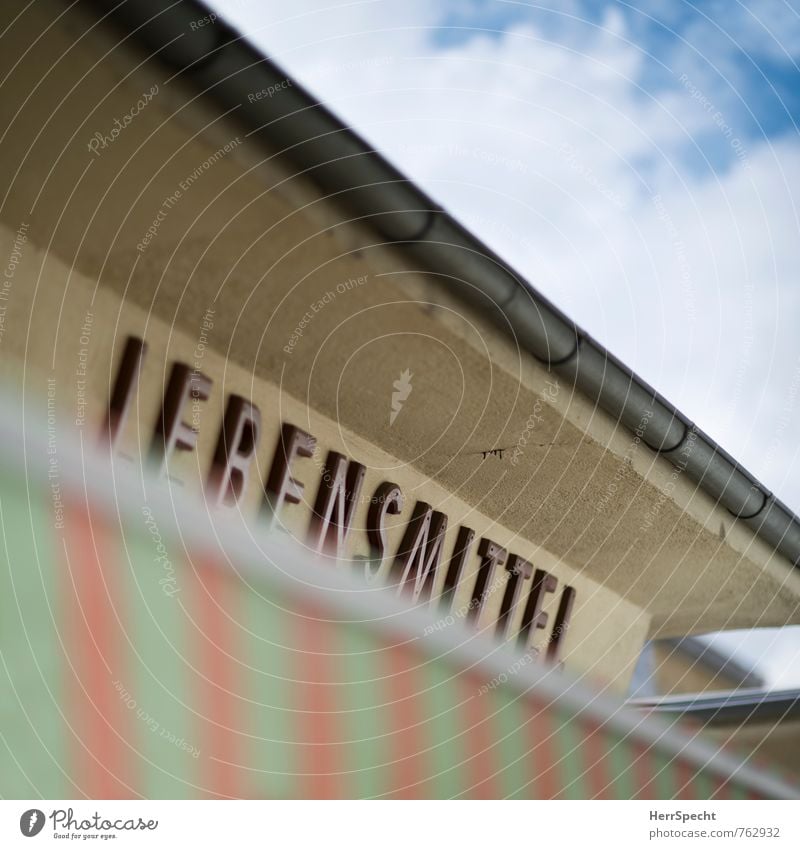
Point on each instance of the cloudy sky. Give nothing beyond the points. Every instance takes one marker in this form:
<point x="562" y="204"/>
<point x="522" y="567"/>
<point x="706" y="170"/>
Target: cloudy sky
<point x="640" y="165"/>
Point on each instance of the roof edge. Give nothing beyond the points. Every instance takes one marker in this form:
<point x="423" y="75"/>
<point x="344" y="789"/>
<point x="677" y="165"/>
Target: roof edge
<point x="222" y="65"/>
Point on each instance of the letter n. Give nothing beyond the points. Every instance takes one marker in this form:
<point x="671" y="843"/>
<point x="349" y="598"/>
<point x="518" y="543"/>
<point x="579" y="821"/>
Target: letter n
<point x="338" y="493"/>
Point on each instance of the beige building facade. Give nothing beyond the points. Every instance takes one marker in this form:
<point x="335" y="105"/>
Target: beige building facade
<point x="271" y="353"/>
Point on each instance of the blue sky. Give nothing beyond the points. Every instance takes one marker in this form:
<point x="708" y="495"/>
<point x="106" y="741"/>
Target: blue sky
<point x="749" y="62"/>
<point x="640" y="164"/>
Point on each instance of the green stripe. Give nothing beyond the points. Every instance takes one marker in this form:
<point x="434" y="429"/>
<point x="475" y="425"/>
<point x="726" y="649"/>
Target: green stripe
<point x="620" y="756"/>
<point x="272" y="748"/>
<point x="512" y="754"/>
<point x="153" y="681"/>
<point x="443" y="732"/>
<point x="34" y="761"/>
<point x="568" y="748"/>
<point x="362" y="695"/>
<point x="665" y="785"/>
<point x="737" y="790"/>
<point x="702" y="786"/>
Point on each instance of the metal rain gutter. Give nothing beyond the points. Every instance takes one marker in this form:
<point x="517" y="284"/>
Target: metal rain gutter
<point x="221" y="65"/>
<point x="735" y="708"/>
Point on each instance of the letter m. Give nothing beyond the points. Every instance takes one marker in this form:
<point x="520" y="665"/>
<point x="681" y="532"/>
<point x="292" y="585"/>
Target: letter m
<point x="420" y="552"/>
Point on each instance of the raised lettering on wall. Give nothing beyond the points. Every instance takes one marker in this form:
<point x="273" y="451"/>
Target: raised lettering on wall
<point x="417" y="560"/>
<point x="420" y="549"/>
<point x="281" y="486"/>
<point x="388" y="499"/>
<point x="130" y="368"/>
<point x="519" y="571"/>
<point x="534" y="617"/>
<point x="492" y="555"/>
<point x="338" y="493"/>
<point x="171" y="431"/>
<point x="236" y="449"/>
<point x="455" y="569"/>
<point x="560" y="626"/>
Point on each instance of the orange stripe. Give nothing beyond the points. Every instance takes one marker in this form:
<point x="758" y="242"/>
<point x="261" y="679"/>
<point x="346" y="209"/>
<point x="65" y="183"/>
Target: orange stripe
<point x="684" y="778"/>
<point x="319" y="734"/>
<point x="101" y="722"/>
<point x="722" y="788"/>
<point x="598" y="775"/>
<point x="215" y="687"/>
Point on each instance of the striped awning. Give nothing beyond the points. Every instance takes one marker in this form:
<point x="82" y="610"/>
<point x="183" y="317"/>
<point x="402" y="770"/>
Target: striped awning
<point x="152" y="649"/>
